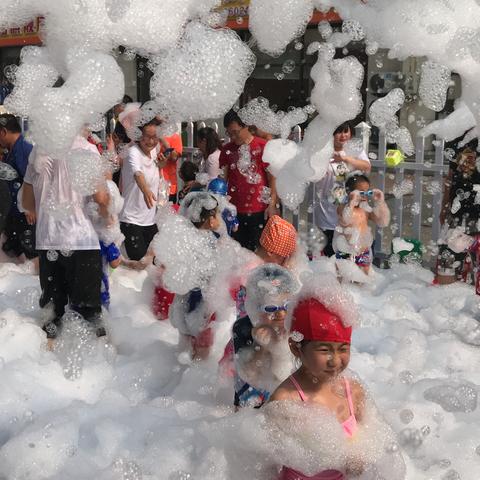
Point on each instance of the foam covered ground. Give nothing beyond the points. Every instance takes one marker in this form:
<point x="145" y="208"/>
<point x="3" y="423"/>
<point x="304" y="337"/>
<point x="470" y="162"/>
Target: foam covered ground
<point x="131" y="410"/>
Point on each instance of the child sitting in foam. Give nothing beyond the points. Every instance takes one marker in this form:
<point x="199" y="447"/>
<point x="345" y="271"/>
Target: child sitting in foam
<point x="353" y="238"/>
<point x="321" y="414"/>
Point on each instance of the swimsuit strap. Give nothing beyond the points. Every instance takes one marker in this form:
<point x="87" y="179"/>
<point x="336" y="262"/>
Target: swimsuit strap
<point x="349" y="397"/>
<point x="301" y="393"/>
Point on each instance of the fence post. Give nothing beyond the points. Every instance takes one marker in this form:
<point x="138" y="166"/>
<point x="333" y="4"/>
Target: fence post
<point x="438" y="197"/>
<point x="363" y="130"/>
<point x="382" y="170"/>
<point x="190" y="130"/>
<point x="418" y="187"/>
<point x="215" y="126"/>
<point x="201" y="125"/>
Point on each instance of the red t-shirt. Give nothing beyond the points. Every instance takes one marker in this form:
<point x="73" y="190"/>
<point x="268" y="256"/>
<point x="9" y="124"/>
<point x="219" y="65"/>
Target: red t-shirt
<point x="243" y="192"/>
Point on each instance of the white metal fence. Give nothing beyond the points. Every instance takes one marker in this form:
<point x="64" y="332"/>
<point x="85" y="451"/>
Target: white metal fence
<point x="415" y="214"/>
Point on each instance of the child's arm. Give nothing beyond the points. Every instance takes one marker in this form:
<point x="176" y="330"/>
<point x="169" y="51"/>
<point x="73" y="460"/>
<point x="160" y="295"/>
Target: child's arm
<point x="345" y="212"/>
<point x="381" y="213"/>
<point x="113" y="256"/>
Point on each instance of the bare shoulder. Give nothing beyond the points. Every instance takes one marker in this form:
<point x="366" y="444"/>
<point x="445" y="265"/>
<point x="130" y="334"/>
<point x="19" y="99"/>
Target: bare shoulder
<point x="285" y="391"/>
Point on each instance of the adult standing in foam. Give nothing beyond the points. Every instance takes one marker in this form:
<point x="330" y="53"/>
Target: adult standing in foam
<point x="341" y="164"/>
<point x="172" y="147"/>
<point x="19" y="227"/>
<point x="247" y="176"/>
<point x="210" y="145"/>
<point x="140" y="182"/>
<point x="69" y="249"/>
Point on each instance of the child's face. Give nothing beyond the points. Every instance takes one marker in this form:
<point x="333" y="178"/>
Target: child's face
<point x="275" y="319"/>
<point x="325" y="359"/>
<point x="363" y="186"/>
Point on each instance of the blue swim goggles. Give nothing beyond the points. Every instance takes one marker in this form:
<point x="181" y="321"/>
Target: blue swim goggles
<point x="275" y="308"/>
<point x="368" y="193"/>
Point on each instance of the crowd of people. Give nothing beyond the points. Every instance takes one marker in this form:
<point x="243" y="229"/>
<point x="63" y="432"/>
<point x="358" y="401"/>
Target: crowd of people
<point x="283" y="323"/>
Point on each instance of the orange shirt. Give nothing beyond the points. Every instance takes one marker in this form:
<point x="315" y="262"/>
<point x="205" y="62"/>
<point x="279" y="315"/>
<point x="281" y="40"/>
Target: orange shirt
<point x="169" y="172"/>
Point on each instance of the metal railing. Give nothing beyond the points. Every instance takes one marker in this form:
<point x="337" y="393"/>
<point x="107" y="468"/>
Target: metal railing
<point x="421" y="222"/>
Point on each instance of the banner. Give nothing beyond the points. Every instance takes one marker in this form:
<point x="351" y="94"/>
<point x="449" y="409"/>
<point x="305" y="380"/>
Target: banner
<point x="18" y="36"/>
<point x="237" y="11"/>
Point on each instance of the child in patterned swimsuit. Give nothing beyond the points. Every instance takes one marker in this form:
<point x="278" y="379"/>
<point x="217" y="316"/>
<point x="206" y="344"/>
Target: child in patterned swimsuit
<point x="321" y="342"/>
<point x="353" y="237"/>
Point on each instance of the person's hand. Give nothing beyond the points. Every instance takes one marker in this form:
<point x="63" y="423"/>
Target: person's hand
<point x="337" y="157"/>
<point x="110" y="143"/>
<point x="271" y="211"/>
<point x="149" y="198"/>
<point x="161" y="160"/>
<point x="263" y="335"/>
<point x="31" y="217"/>
<point x="354" y="198"/>
<point x="378" y="195"/>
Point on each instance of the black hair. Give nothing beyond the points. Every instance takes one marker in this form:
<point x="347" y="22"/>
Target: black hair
<point x="230" y="117"/>
<point x="205" y="214"/>
<point x="156" y="122"/>
<point x="188" y="171"/>
<point x="121" y="133"/>
<point x="127" y="99"/>
<point x="344" y="127"/>
<point x="212" y="138"/>
<point x="10" y="123"/>
<point x="352" y="182"/>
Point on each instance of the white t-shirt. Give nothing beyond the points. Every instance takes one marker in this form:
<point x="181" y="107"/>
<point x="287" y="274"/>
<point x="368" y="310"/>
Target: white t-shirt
<point x="62" y="220"/>
<point x="212" y="165"/>
<point x="325" y="211"/>
<point x="135" y="209"/>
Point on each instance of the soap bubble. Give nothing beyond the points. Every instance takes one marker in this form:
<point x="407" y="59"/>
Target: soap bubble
<point x="7" y="172"/>
<point x="288" y="66"/>
<point x="406" y="416"/>
<point x="52" y="255"/>
<point x="287" y="20"/>
<point x="75" y="345"/>
<point x="194" y="86"/>
<point x="353" y="29"/>
<point x="87" y="171"/>
<point x="434" y="84"/>
<point x="453" y="398"/>
<point x="403" y="188"/>
<point x="325" y="29"/>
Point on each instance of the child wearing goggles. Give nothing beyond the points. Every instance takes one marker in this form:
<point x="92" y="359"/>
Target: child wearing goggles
<point x="353" y="237"/>
<point x="262" y="359"/>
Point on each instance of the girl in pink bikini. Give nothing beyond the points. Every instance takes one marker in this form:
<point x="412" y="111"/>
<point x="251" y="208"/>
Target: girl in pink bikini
<point x="321" y="342"/>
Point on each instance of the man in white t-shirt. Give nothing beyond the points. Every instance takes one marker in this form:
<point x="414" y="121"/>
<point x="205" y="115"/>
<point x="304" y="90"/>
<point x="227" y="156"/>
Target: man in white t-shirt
<point x="141" y="182"/>
<point x="69" y="249"/>
<point x="325" y="212"/>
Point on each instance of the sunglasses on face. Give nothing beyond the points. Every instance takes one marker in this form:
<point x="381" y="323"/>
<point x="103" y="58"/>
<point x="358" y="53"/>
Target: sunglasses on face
<point x="367" y="193"/>
<point x="275" y="308"/>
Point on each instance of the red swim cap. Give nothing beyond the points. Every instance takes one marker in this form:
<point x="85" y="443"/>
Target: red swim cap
<point x="315" y="322"/>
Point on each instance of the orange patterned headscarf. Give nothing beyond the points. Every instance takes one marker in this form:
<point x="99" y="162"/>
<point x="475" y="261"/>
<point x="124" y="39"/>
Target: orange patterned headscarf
<point x="279" y="237"/>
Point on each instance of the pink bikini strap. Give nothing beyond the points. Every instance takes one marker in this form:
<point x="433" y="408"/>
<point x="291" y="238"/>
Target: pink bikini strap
<point x="349" y="397"/>
<point x="301" y="393"/>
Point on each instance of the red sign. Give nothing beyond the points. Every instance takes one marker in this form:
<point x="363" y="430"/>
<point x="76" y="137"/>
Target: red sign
<point x="238" y="14"/>
<point x="27" y="35"/>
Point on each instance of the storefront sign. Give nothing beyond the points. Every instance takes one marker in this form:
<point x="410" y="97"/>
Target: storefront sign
<point x="237" y="11"/>
<point x="26" y="35"/>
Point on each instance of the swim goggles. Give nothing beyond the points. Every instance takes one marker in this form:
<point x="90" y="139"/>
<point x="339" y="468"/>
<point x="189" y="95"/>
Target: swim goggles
<point x="367" y="193"/>
<point x="275" y="308"/>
